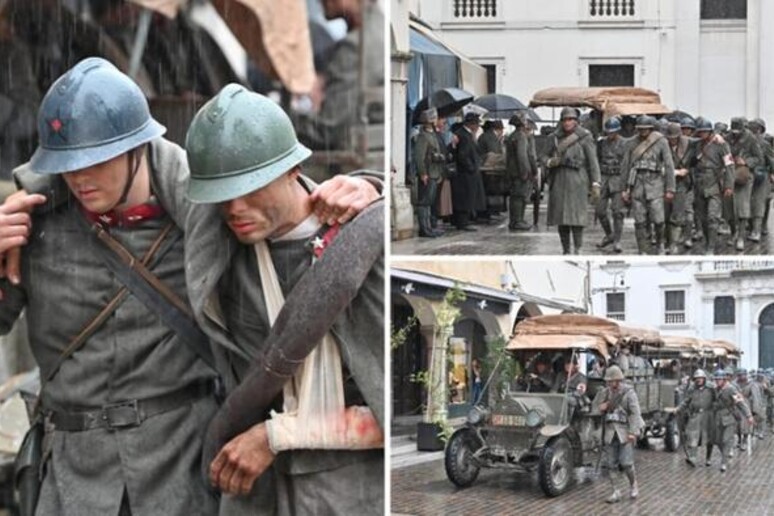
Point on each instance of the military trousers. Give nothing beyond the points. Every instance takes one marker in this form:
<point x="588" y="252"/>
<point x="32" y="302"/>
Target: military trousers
<point x="610" y="196"/>
<point x="619" y="454"/>
<point x="677" y="212"/>
<point x="759" y="199"/>
<point x="709" y="210"/>
<point x="648" y="198"/>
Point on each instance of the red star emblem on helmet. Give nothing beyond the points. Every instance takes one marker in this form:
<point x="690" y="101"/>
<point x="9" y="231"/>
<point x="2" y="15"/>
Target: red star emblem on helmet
<point x="56" y="125"/>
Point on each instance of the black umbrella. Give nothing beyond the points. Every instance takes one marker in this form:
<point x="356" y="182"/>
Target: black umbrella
<point x="447" y="101"/>
<point x="496" y="103"/>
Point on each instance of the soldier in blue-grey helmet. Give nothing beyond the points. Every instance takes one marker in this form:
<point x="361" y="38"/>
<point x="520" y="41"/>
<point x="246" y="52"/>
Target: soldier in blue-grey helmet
<point x="687" y="126"/>
<point x="728" y="400"/>
<point x="610" y="152"/>
<point x="650" y="174"/>
<point x="696" y="408"/>
<point x="129" y="407"/>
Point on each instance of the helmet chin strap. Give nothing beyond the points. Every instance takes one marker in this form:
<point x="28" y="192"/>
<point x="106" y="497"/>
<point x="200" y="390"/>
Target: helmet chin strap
<point x="133" y="166"/>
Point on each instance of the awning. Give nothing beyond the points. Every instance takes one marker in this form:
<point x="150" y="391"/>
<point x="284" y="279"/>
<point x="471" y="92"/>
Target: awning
<point x="275" y="36"/>
<point x="432" y="67"/>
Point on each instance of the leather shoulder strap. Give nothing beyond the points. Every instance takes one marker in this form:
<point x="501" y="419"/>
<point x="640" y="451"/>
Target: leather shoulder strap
<point x="643" y="146"/>
<point x="565" y="144"/>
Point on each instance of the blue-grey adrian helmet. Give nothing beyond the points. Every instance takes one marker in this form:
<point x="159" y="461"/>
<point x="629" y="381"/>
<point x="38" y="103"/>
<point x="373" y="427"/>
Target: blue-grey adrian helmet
<point x="91" y="114"/>
<point x="612" y="125"/>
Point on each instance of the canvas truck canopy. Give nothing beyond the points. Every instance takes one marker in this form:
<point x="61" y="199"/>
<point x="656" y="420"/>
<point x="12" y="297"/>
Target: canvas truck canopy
<point x="618" y="101"/>
<point x="674" y="344"/>
<point x="575" y="331"/>
<point x="723" y="348"/>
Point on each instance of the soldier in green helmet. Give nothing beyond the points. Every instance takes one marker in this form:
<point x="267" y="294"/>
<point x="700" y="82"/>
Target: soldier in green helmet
<point x="623" y="424"/>
<point x="728" y="401"/>
<point x="696" y="407"/>
<point x="268" y="225"/>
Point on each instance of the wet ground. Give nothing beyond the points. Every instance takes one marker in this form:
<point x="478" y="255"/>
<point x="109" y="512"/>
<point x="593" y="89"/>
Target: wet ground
<point x="667" y="486"/>
<point x="496" y="239"/>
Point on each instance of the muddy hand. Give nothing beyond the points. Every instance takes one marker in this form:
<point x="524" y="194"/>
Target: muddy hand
<point x="341" y="198"/>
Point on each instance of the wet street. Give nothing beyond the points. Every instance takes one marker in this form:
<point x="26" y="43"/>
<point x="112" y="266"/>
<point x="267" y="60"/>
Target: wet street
<point x="496" y="239"/>
<point x="667" y="486"/>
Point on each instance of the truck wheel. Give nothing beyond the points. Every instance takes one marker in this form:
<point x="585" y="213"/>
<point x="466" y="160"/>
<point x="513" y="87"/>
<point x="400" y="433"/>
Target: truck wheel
<point x="555" y="468"/>
<point x="461" y="468"/>
<point x="671" y="435"/>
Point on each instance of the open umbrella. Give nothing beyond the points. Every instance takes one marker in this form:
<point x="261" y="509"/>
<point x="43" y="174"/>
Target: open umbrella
<point x="447" y="101"/>
<point x="496" y="103"/>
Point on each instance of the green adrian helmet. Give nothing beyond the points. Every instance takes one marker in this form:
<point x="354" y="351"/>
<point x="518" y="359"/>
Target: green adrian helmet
<point x="239" y="142"/>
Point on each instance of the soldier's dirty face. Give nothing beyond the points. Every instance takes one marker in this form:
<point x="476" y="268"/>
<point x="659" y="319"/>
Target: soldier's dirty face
<point x="687" y="131"/>
<point x="99" y="187"/>
<point x="699" y="382"/>
<point x="644" y="133"/>
<point x="614" y="385"/>
<point x="269" y="212"/>
<point x="569" y="124"/>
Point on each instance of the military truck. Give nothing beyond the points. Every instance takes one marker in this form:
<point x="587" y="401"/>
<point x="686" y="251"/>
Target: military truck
<point x="551" y="433"/>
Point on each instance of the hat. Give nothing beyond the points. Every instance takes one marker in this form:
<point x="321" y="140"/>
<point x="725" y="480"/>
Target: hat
<point x="738" y="123"/>
<point x="673" y="130"/>
<point x="472" y="118"/>
<point x="518" y="120"/>
<point x="428" y="116"/>
<point x="569" y="112"/>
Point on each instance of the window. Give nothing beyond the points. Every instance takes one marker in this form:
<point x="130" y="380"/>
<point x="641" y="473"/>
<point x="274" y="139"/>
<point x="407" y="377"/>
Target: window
<point x="616" y="306"/>
<point x="611" y="75"/>
<point x="725" y="308"/>
<point x="723" y="9"/>
<point x="674" y="307"/>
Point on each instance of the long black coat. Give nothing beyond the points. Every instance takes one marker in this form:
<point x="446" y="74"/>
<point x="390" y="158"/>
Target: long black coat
<point x="467" y="184"/>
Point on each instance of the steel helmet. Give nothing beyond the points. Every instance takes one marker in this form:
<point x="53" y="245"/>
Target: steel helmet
<point x="673" y="130"/>
<point x="759" y="123"/>
<point x="719" y="375"/>
<point x="702" y="124"/>
<point x="90" y="115"/>
<point x="613" y="373"/>
<point x="687" y="122"/>
<point x="741" y="372"/>
<point x="645" y="122"/>
<point x="738" y="123"/>
<point x="239" y="142"/>
<point x="612" y="125"/>
<point x="699" y="373"/>
<point x="569" y="112"/>
<point x="721" y="127"/>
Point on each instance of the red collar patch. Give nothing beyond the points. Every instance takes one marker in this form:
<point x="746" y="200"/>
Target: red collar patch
<point x="127" y="218"/>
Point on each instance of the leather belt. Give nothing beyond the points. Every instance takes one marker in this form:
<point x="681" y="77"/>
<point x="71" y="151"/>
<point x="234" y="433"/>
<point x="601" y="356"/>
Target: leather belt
<point x="648" y="171"/>
<point x="130" y="413"/>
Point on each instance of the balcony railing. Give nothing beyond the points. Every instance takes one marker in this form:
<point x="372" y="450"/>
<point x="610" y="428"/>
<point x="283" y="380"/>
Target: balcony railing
<point x="617" y="316"/>
<point x="612" y="9"/>
<point x="730" y="265"/>
<point x="674" y="318"/>
<point x="474" y="9"/>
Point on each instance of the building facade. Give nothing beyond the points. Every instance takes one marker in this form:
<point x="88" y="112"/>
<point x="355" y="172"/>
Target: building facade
<point x="729" y="300"/>
<point x="708" y="57"/>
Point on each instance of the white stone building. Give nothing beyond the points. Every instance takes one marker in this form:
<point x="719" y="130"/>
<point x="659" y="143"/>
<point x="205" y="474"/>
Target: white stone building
<point x="730" y="300"/>
<point x="709" y="57"/>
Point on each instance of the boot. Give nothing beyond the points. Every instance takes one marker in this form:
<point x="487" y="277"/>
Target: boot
<point x="517" y="208"/>
<point x="423" y="217"/>
<point x="687" y="232"/>
<point x="741" y="230"/>
<point x="523" y="225"/>
<point x="691" y="457"/>
<point x="615" y="497"/>
<point x="617" y="230"/>
<point x="642" y="239"/>
<point x="577" y="237"/>
<point x="712" y="240"/>
<point x="755" y="235"/>
<point x="633" y="487"/>
<point x="609" y="239"/>
<point x="564" y="237"/>
<point x="765" y="221"/>
<point x="708" y="457"/>
<point x="675" y="233"/>
<point x="658" y="233"/>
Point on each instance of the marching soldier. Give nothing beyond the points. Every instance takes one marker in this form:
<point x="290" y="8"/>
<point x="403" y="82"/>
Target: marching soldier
<point x="680" y="211"/>
<point x="763" y="176"/>
<point x="765" y="388"/>
<point x="728" y="401"/>
<point x="520" y="173"/>
<point x="610" y="151"/>
<point x="714" y="175"/>
<point x="430" y="160"/>
<point x="651" y="179"/>
<point x="687" y="126"/>
<point x="754" y="396"/>
<point x="573" y="173"/>
<point x="747" y="157"/>
<point x="696" y="408"/>
<point x="622" y="426"/>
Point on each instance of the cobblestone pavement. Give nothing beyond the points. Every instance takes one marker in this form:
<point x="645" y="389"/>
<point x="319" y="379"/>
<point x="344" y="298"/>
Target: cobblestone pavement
<point x="667" y="486"/>
<point x="497" y="239"/>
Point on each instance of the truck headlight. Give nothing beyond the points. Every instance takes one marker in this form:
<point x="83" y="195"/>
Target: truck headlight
<point x="477" y="415"/>
<point x="534" y="418"/>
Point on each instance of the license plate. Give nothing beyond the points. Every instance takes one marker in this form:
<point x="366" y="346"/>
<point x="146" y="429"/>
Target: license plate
<point x="508" y="420"/>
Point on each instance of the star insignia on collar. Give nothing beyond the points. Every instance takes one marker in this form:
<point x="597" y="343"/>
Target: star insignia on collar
<point x="482" y="304"/>
<point x="408" y="288"/>
<point x="318" y="243"/>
